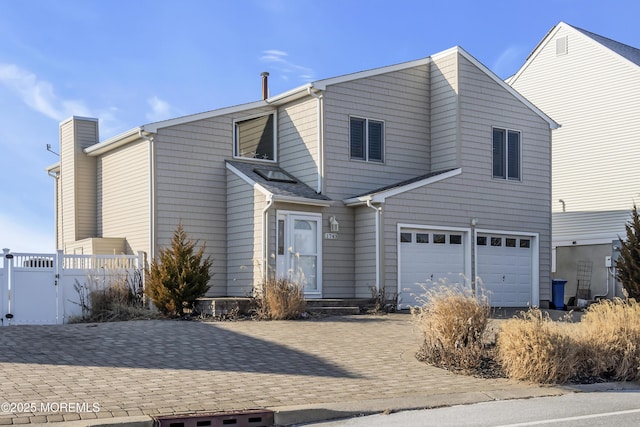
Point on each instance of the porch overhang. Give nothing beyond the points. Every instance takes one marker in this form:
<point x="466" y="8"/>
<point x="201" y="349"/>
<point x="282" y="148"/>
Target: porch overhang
<point x="380" y="195"/>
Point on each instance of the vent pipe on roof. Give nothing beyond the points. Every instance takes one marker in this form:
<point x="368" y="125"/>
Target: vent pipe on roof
<point x="265" y="85"/>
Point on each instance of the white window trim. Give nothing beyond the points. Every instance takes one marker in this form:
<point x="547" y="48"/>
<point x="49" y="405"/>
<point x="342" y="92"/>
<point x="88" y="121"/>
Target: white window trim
<point x="366" y="138"/>
<point x="506" y="166"/>
<point x="275" y="137"/>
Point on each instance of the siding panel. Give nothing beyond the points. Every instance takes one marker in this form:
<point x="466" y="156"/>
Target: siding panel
<point x="298" y="140"/>
<point x="594" y="94"/>
<point x="244" y="233"/>
<point x="191" y="185"/>
<point x="398" y="98"/>
<point x="123" y="195"/>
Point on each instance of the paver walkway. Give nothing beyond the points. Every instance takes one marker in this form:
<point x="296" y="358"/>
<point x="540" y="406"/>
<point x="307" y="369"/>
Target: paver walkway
<point x="155" y="367"/>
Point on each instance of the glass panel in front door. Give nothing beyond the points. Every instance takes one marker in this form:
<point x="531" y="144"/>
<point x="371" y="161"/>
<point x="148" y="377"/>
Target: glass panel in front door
<point x="304" y="254"/>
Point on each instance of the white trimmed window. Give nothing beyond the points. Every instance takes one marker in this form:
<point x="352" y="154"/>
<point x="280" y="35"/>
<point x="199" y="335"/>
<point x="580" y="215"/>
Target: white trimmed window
<point x="255" y="138"/>
<point x="506" y="154"/>
<point x="366" y="139"/>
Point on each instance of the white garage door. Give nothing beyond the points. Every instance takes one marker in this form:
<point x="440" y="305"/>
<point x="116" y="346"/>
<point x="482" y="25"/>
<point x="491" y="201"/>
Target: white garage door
<point x="427" y="257"/>
<point x="504" y="269"/>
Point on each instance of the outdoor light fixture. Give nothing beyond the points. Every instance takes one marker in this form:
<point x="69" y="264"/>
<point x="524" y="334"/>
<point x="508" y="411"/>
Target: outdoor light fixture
<point x="335" y="227"/>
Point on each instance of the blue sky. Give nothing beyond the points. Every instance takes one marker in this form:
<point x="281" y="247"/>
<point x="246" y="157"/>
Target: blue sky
<point x="136" y="61"/>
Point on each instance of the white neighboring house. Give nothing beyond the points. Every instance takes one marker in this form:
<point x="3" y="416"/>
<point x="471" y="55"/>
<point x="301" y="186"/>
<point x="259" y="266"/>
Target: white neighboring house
<point x="591" y="85"/>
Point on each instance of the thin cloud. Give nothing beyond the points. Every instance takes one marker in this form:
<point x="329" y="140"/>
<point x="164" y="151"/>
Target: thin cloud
<point x="160" y="110"/>
<point x="508" y="62"/>
<point x="286" y="68"/>
<point x="39" y="94"/>
<point x="273" y="56"/>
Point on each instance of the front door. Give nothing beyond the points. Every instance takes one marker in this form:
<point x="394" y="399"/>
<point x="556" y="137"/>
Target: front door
<point x="299" y="250"/>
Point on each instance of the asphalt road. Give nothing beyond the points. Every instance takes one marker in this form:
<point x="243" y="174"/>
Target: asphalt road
<point x="612" y="408"/>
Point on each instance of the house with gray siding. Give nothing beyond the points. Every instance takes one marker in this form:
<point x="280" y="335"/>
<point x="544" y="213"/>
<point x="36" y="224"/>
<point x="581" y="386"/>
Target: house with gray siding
<point x="591" y="85"/>
<point x="394" y="179"/>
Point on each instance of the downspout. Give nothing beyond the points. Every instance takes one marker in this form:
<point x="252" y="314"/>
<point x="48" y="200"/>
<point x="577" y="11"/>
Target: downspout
<point x="320" y="121"/>
<point x="152" y="167"/>
<point x="474" y="258"/>
<point x="378" y="211"/>
<point x="265" y="237"/>
<point x="58" y="204"/>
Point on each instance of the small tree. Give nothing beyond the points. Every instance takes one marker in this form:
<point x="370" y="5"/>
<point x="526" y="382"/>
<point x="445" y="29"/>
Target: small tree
<point x="628" y="264"/>
<point x="179" y="276"/>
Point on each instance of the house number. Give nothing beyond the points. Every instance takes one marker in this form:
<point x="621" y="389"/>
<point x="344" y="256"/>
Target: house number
<point x="330" y="236"/>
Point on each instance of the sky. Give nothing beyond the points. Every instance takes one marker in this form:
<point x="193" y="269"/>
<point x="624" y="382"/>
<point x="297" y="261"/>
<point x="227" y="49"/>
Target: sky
<point x="132" y="62"/>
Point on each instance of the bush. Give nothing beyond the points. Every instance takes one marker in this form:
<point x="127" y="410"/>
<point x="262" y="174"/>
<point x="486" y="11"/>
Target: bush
<point x="534" y="348"/>
<point x="452" y="323"/>
<point x="610" y="338"/>
<point x="179" y="276"/>
<point x="605" y="345"/>
<point x="117" y="297"/>
<point x="628" y="264"/>
<point x="103" y="301"/>
<point x="279" y="299"/>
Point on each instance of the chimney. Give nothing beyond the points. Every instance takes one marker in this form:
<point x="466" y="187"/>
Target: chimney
<point x="265" y="85"/>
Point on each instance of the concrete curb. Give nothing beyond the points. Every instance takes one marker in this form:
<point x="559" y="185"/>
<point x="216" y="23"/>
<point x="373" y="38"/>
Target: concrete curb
<point x="301" y="414"/>
<point x="295" y="415"/>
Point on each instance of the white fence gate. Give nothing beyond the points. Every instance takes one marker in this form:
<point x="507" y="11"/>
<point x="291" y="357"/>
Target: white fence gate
<point x="40" y="289"/>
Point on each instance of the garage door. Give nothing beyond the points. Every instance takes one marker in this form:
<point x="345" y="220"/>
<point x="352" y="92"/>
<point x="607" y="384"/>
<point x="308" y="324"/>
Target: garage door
<point x="504" y="268"/>
<point x="426" y="258"/>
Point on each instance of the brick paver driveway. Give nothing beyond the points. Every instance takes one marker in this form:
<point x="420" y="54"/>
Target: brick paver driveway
<point x="155" y="367"/>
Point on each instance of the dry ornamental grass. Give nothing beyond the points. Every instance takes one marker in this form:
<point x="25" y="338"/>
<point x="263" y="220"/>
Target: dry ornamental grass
<point x="605" y="345"/>
<point x="280" y="299"/>
<point x="452" y="323"/>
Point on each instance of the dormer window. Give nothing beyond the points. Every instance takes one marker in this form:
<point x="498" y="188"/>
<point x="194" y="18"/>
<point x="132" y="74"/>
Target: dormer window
<point x="255" y="138"/>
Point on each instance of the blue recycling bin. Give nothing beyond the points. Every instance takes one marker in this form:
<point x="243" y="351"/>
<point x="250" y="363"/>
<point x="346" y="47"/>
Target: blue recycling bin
<point x="557" y="293"/>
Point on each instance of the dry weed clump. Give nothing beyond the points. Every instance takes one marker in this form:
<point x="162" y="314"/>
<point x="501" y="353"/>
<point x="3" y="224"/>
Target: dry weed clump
<point x="452" y="322"/>
<point x="609" y="337"/>
<point x="279" y="299"/>
<point x="605" y="345"/>
<point x="534" y="348"/>
<point x="114" y="298"/>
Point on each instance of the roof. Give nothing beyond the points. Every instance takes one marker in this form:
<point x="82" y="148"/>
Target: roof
<point x="307" y="90"/>
<point x="295" y="192"/>
<point x="379" y="195"/>
<point x="628" y="52"/>
<point x="624" y="51"/>
<point x="597" y="227"/>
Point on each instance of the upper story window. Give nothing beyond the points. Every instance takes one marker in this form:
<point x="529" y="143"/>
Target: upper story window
<point x="255" y="138"/>
<point x="366" y="139"/>
<point x="506" y="154"/>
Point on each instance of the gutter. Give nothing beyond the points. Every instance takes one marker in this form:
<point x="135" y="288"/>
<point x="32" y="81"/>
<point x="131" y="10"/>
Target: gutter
<point x="115" y="142"/>
<point x="378" y="213"/>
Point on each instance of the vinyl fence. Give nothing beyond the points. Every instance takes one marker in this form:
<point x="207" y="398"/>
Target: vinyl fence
<point x="42" y="289"/>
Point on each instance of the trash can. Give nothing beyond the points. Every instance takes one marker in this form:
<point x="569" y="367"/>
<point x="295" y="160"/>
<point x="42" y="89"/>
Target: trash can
<point x="557" y="293"/>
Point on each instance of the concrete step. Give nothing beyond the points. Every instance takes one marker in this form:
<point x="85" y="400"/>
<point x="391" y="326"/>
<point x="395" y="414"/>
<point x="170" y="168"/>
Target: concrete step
<point x="334" y="311"/>
<point x="340" y="302"/>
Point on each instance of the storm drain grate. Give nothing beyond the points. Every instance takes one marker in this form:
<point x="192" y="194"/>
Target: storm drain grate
<point x="248" y="418"/>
